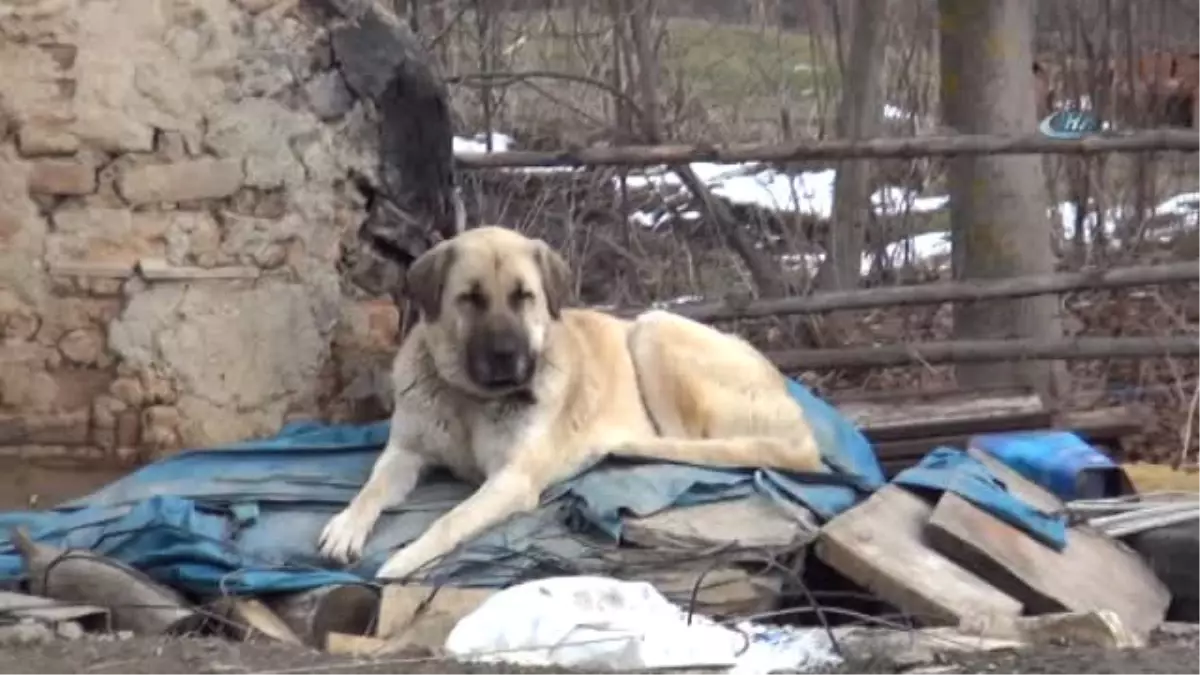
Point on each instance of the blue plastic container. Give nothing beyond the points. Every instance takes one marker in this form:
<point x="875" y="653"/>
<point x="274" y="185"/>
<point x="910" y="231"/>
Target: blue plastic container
<point x="1059" y="461"/>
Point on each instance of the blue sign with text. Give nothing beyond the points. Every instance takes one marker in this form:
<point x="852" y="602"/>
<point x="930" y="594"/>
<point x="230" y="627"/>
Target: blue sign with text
<point x="1069" y="124"/>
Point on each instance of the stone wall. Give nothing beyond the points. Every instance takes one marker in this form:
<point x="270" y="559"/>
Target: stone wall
<point x="174" y="202"/>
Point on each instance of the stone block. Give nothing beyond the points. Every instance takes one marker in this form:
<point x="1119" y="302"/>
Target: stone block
<point x="79" y="387"/>
<point x="260" y="131"/>
<point x="328" y="96"/>
<point x="63" y="315"/>
<point x="105" y="409"/>
<point x="67" y="428"/>
<point x="113" y="132"/>
<point x="160" y="427"/>
<point x="180" y="181"/>
<point x="372" y="325"/>
<point x="128" y="429"/>
<point x="37" y="140"/>
<point x="256" y="6"/>
<point x="193" y="237"/>
<point x="128" y="390"/>
<point x="27" y="389"/>
<point x="104" y="235"/>
<point x="82" y="347"/>
<point x="62" y="177"/>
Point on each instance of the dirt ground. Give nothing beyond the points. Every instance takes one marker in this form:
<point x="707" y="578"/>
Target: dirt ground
<point x="193" y="655"/>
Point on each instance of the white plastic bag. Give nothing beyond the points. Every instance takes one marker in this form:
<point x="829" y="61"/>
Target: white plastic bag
<point x="600" y="623"/>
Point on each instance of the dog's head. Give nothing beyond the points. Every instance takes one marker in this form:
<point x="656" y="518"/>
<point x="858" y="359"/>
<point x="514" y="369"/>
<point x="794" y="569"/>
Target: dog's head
<point x="488" y="298"/>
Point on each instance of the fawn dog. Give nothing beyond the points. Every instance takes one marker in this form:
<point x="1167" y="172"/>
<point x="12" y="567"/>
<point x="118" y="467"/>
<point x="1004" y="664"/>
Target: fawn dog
<point x="508" y="389"/>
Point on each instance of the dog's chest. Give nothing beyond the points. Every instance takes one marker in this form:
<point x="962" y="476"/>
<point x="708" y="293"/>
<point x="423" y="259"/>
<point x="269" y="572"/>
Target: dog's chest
<point x="496" y="430"/>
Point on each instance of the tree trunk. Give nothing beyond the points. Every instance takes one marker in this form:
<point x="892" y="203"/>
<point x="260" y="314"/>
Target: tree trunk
<point x="999" y="225"/>
<point x="858" y="117"/>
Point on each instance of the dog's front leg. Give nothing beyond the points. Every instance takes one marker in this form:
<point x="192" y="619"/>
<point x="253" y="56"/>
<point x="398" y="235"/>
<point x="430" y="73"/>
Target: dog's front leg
<point x="514" y="489"/>
<point x="392" y="478"/>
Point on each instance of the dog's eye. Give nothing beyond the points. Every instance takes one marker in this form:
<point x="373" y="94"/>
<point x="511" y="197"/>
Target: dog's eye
<point x="519" y="297"/>
<point x="473" y="299"/>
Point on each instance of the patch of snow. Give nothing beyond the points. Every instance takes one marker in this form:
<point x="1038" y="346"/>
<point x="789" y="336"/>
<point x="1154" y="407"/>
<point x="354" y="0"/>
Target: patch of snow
<point x="1068" y="213"/>
<point x="681" y="300"/>
<point x="1188" y="202"/>
<point x="478" y="143"/>
<point x="931" y="248"/>
<point x="809" y="193"/>
<point x="895" y="112"/>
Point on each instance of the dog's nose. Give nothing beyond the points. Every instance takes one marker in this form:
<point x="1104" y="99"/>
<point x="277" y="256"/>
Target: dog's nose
<point x="505" y="361"/>
<point x="504" y="357"/>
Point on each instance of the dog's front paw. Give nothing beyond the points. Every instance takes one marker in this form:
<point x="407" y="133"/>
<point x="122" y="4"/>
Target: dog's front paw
<point x="398" y="567"/>
<point x="344" y="536"/>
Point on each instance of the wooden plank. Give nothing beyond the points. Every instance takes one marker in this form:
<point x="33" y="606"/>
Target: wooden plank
<point x="1022" y="488"/>
<point x="249" y="617"/>
<point x="360" y="646"/>
<point x="880" y="545"/>
<point x="22" y="606"/>
<point x="753" y="521"/>
<point x="1102" y="428"/>
<point x="155" y="269"/>
<point x="423" y="616"/>
<point x="1101" y="425"/>
<point x="965" y="415"/>
<point x="934" y="394"/>
<point x="1093" y="572"/>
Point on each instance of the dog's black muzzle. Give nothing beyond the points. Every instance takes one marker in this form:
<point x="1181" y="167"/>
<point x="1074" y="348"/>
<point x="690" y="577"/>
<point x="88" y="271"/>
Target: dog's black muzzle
<point x="500" y="359"/>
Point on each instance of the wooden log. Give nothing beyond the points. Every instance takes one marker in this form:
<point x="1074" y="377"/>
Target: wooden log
<point x="136" y="602"/>
<point x="157" y="269"/>
<point x="350" y="609"/>
<point x="879" y="545"/>
<point x="935" y="293"/>
<point x="807" y="150"/>
<point x="980" y="351"/>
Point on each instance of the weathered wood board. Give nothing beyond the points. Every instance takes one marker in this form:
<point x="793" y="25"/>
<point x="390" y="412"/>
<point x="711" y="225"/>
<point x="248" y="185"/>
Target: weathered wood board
<point x="423" y="616"/>
<point x="1093" y="572"/>
<point x="966" y="413"/>
<point x="880" y="545"/>
<point x="753" y="521"/>
<point x="1021" y="487"/>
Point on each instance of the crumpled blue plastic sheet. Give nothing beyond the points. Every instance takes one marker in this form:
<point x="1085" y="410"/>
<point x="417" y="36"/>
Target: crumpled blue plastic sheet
<point x="244" y="519"/>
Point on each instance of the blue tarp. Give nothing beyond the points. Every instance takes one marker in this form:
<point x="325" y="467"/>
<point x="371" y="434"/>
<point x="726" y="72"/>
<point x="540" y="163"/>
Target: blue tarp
<point x="245" y="518"/>
<point x="948" y="469"/>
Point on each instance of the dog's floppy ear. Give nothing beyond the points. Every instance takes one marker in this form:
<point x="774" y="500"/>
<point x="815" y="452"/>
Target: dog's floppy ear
<point x="426" y="279"/>
<point x="556" y="278"/>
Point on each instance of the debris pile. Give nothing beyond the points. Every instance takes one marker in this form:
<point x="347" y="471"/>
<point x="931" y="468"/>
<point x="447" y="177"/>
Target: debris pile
<point x="986" y="528"/>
